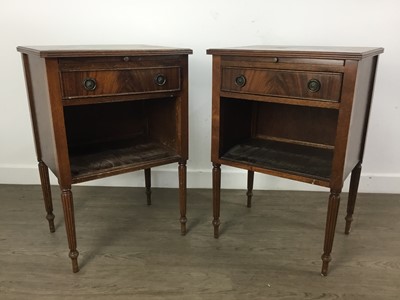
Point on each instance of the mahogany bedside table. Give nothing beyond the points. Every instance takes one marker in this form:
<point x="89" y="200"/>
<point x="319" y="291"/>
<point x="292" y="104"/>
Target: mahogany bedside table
<point x="99" y="111"/>
<point x="295" y="112"/>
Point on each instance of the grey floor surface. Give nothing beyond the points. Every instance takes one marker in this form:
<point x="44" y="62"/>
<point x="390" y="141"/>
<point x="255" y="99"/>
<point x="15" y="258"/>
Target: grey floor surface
<point x="129" y="250"/>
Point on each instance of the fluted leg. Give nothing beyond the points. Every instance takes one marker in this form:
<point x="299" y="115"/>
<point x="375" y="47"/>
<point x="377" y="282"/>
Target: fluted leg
<point x="182" y="195"/>
<point x="68" y="207"/>
<point x="250" y="180"/>
<point x="354" y="181"/>
<point x="331" y="218"/>
<point x="216" y="198"/>
<point x="46" y="189"/>
<point x="147" y="179"/>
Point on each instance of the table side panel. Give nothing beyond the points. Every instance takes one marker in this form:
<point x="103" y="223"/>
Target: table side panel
<point x="360" y="113"/>
<point x="41" y="111"/>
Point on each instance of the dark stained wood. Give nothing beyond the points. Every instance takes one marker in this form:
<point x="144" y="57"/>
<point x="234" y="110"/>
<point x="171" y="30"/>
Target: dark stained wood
<point x="163" y="123"/>
<point x="331" y="218"/>
<point x="129" y="62"/>
<point x="116" y="99"/>
<point x="105" y="123"/>
<point x="69" y="218"/>
<point x="135" y="118"/>
<point x="282" y="100"/>
<point x="274" y="83"/>
<point x="250" y="181"/>
<point x="354" y="181"/>
<point x="182" y="195"/>
<point x="216" y="175"/>
<point x="182" y="113"/>
<point x="216" y="109"/>
<point x="147" y="180"/>
<point x="58" y="124"/>
<point x="296" y="123"/>
<point x="113" y="156"/>
<point x="291" y="158"/>
<point x="101" y="50"/>
<point x="289" y="63"/>
<point x="307" y="52"/>
<point x="119" y="82"/>
<point x="360" y="113"/>
<point x="39" y="103"/>
<point x="235" y="122"/>
<point x="272" y="121"/>
<point x="46" y="190"/>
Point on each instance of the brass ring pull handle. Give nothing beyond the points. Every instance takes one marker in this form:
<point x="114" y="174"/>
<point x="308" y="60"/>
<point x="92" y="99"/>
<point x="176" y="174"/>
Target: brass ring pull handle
<point x="240" y="81"/>
<point x="160" y="79"/>
<point x="314" y="85"/>
<point x="89" y="84"/>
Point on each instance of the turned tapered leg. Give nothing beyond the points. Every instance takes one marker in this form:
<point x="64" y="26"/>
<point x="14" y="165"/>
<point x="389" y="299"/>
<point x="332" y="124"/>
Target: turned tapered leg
<point x="354" y="181"/>
<point x="331" y="218"/>
<point x="46" y="189"/>
<point x="216" y="197"/>
<point x="250" y="180"/>
<point x="147" y="179"/>
<point x="182" y="195"/>
<point x="68" y="207"/>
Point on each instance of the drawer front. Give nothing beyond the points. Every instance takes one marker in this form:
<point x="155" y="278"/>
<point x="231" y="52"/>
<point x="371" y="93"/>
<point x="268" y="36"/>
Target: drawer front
<point x="99" y="83"/>
<point x="283" y="83"/>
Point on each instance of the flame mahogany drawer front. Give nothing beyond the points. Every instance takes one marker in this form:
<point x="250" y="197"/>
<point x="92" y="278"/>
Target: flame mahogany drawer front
<point x="282" y="83"/>
<point x="92" y="83"/>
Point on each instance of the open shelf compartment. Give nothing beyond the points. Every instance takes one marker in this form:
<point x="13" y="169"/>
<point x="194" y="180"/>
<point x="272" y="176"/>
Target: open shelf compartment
<point x="111" y="138"/>
<point x="290" y="139"/>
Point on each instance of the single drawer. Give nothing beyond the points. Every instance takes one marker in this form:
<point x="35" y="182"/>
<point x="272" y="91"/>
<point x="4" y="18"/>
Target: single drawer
<point x="283" y="83"/>
<point x="99" y="83"/>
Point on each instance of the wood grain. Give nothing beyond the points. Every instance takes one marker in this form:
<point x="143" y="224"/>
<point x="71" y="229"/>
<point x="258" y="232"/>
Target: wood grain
<point x="122" y="128"/>
<point x="275" y="82"/>
<point x="265" y="127"/>
<point x="120" y="82"/>
<point x="129" y="250"/>
<point x="295" y="159"/>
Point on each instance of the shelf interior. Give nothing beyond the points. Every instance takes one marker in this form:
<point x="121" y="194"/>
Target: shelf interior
<point x="112" y="137"/>
<point x="279" y="156"/>
<point x="292" y="139"/>
<point x="110" y="156"/>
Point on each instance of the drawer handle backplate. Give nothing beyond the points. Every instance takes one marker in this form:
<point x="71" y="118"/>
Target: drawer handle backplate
<point x="160" y="79"/>
<point x="314" y="85"/>
<point x="89" y="84"/>
<point x="240" y="81"/>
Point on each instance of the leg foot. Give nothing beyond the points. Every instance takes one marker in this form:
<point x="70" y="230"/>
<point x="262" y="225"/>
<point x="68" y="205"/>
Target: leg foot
<point x="216" y="198"/>
<point x="68" y="207"/>
<point x="250" y="180"/>
<point x="325" y="263"/>
<point x="73" y="255"/>
<point x="147" y="179"/>
<point x="354" y="181"/>
<point x="182" y="195"/>
<point x="46" y="189"/>
<point x="331" y="218"/>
